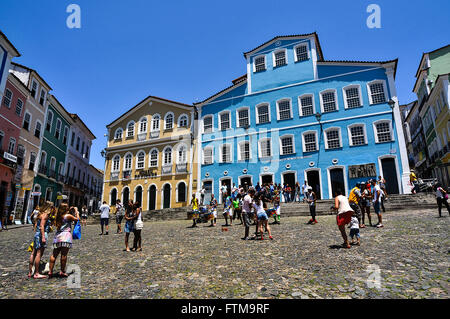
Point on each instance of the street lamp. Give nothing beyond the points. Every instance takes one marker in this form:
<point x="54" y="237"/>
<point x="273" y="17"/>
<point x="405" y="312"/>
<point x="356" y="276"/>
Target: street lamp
<point x="391" y="103"/>
<point x="318" y="117"/>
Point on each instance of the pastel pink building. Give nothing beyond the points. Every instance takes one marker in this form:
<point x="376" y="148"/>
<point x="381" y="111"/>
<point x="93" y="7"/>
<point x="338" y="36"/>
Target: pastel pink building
<point x="12" y="151"/>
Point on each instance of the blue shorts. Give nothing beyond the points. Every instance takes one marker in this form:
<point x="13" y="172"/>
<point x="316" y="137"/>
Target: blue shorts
<point x="262" y="216"/>
<point x="353" y="232"/>
<point x="129" y="226"/>
<point x="376" y="207"/>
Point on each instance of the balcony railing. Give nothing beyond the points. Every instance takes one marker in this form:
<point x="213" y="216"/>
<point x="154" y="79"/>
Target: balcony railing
<point x="126" y="175"/>
<point x="141" y="136"/>
<point x="182" y="168"/>
<point x="114" y="176"/>
<point x="42" y="169"/>
<point x="154" y="134"/>
<point x="61" y="178"/>
<point x="167" y="169"/>
<point x="52" y="173"/>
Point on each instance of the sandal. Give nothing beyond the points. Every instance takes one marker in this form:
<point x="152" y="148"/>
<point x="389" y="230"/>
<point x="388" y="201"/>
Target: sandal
<point x="345" y="245"/>
<point x="39" y="276"/>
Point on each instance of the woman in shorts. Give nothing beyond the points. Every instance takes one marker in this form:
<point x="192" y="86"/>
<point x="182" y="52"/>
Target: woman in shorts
<point x="344" y="216"/>
<point x="263" y="219"/>
<point x="130" y="223"/>
<point x="84" y="215"/>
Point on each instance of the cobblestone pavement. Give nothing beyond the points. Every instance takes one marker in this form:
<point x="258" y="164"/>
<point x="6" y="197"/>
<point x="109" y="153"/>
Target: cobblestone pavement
<point x="411" y="251"/>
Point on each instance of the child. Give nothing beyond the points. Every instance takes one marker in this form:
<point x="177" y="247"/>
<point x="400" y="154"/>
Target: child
<point x="213" y="208"/>
<point x="258" y="205"/>
<point x="277" y="207"/>
<point x="354" y="229"/>
<point x="237" y="207"/>
<point x="227" y="212"/>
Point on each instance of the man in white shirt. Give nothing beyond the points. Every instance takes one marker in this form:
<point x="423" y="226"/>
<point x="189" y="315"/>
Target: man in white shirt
<point x="223" y="192"/>
<point x="104" y="217"/>
<point x="377" y="193"/>
<point x="202" y="195"/>
<point x="305" y="191"/>
<point x="247" y="211"/>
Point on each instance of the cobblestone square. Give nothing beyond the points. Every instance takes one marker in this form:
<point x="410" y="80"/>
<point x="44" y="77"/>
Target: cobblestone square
<point x="303" y="261"/>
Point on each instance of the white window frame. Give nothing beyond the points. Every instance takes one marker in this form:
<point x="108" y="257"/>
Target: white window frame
<point x="326" y="137"/>
<point x="369" y="92"/>
<point x="60" y="128"/>
<point x="300" y="109"/>
<point x="220" y="120"/>
<point x="285" y="57"/>
<point x="335" y="97"/>
<point x="307" y="50"/>
<point x="45" y="96"/>
<point x="155" y="118"/>
<point x="21" y="109"/>
<point x="12" y="139"/>
<point x="212" y="155"/>
<point x="177" y="159"/>
<point x="304" y="144"/>
<point x="265" y="63"/>
<point x="375" y="131"/>
<point x="134" y="129"/>
<point x="264" y="139"/>
<point x="238" y="119"/>
<point x="125" y="162"/>
<point x="164" y="156"/>
<point x="180" y="118"/>
<point x="140" y="162"/>
<point x="350" y="140"/>
<point x="143" y="120"/>
<point x="240" y="158"/>
<point x="33" y="81"/>
<point x="293" y="143"/>
<point x="51" y="123"/>
<point x="344" y="95"/>
<point x="212" y="123"/>
<point x="221" y="152"/>
<point x="165" y="121"/>
<point x="150" y="157"/>
<point x="29" y="124"/>
<point x="9" y="99"/>
<point x="290" y="108"/>
<point x="257" y="112"/>
<point x="65" y="134"/>
<point x="113" y="169"/>
<point x="121" y="133"/>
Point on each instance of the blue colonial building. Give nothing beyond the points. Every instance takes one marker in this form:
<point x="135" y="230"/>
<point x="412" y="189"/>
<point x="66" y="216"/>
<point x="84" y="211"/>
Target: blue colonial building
<point x="296" y="116"/>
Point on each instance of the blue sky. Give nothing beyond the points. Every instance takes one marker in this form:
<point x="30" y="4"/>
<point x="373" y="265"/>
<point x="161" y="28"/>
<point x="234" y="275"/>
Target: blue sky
<point x="189" y="50"/>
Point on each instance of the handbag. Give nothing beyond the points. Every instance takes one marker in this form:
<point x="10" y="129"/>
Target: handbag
<point x="139" y="224"/>
<point x="77" y="231"/>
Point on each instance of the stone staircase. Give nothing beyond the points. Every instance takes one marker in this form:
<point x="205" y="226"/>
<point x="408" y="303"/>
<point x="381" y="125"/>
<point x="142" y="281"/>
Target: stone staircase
<point x="395" y="202"/>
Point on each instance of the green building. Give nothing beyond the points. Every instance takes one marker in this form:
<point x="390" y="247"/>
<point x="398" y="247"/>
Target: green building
<point x="50" y="178"/>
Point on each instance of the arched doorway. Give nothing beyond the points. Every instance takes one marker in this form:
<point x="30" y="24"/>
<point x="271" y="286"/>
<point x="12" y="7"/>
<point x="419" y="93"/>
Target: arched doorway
<point x="138" y="195"/>
<point x="152" y="198"/>
<point x="337" y="181"/>
<point x="125" y="196"/>
<point x="166" y="196"/>
<point x="313" y="179"/>
<point x="113" y="197"/>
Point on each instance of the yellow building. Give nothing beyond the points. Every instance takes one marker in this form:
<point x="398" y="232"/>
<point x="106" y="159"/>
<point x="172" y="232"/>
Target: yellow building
<point x="151" y="154"/>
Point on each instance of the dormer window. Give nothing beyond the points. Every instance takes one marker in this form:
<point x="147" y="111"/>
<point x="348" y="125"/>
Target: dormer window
<point x="301" y="53"/>
<point x="279" y="58"/>
<point x="260" y="63"/>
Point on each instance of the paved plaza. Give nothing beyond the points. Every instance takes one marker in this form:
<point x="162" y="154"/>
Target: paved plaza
<point x="304" y="261"/>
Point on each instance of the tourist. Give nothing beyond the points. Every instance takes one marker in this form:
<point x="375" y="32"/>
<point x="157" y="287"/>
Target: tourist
<point x="311" y="200"/>
<point x="223" y="193"/>
<point x="354" y="230"/>
<point x="365" y="205"/>
<point x="237" y="207"/>
<point x="34" y="216"/>
<point x="129" y="222"/>
<point x="257" y="187"/>
<point x="297" y="192"/>
<point x="262" y="217"/>
<point x="138" y="226"/>
<point x="382" y="183"/>
<point x="63" y="237"/>
<point x="247" y="211"/>
<point x="441" y="198"/>
<point x="194" y="207"/>
<point x="213" y="210"/>
<point x="354" y="199"/>
<point x="377" y="193"/>
<point x="414" y="182"/>
<point x="84" y="216"/>
<point x="104" y="217"/>
<point x="120" y="212"/>
<point x="228" y="210"/>
<point x="344" y="216"/>
<point x="41" y="229"/>
<point x="305" y="190"/>
<point x="202" y="195"/>
<point x="277" y="207"/>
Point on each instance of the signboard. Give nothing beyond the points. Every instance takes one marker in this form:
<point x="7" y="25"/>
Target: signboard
<point x="36" y="194"/>
<point x="19" y="206"/>
<point x="10" y="157"/>
<point x="364" y="170"/>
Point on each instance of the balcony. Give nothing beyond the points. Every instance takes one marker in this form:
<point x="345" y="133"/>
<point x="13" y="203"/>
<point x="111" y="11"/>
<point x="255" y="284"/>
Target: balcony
<point x="114" y="176"/>
<point x="167" y="169"/>
<point x="182" y="168"/>
<point x="69" y="180"/>
<point x="141" y="136"/>
<point x="126" y="175"/>
<point x="52" y="173"/>
<point x="61" y="178"/>
<point x="154" y="134"/>
<point x="42" y="169"/>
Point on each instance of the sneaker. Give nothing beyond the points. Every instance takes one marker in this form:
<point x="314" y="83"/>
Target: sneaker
<point x="380" y="225"/>
<point x="270" y="237"/>
<point x="245" y="238"/>
<point x="315" y="222"/>
<point x="106" y="233"/>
